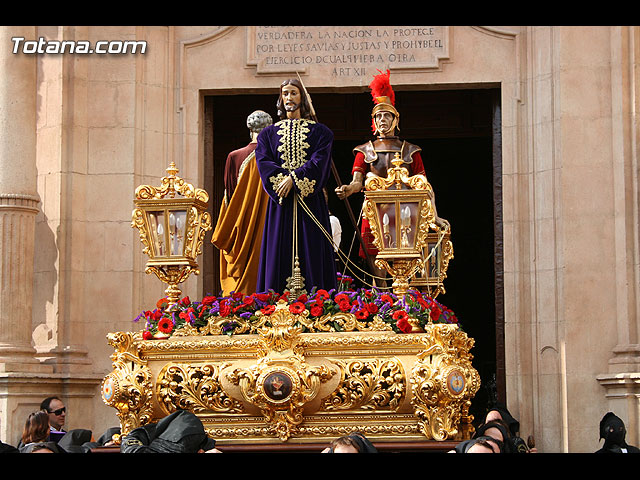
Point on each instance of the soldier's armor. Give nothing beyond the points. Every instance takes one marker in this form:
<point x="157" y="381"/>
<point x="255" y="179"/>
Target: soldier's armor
<point x="379" y="153"/>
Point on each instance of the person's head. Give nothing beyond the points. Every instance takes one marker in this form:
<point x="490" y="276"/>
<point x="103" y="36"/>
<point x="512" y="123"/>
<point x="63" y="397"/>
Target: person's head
<point x="56" y="410"/>
<point x="385" y="117"/>
<point x="612" y="430"/>
<point x="258" y="121"/>
<point x="499" y="411"/>
<point x="292" y="102"/>
<point x="36" y="428"/>
<point x="499" y="431"/>
<point x="42" y="448"/>
<point x="345" y="444"/>
<point x="480" y="444"/>
<point x="493" y="415"/>
<point x="484" y="445"/>
<point x="181" y="432"/>
<point x="385" y="120"/>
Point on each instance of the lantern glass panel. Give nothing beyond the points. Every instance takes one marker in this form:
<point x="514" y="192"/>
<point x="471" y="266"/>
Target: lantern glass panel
<point x="157" y="230"/>
<point x="408" y="224"/>
<point x="177" y="225"/>
<point x="387" y="219"/>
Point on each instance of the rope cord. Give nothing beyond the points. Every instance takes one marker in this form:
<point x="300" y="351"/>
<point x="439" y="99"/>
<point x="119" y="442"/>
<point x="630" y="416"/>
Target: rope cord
<point x="341" y="254"/>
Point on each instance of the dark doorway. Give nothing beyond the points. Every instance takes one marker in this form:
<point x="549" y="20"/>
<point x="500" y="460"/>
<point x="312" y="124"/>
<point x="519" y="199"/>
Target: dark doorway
<point x="459" y="133"/>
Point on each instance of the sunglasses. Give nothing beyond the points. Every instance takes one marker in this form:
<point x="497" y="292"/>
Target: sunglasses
<point x="59" y="411"/>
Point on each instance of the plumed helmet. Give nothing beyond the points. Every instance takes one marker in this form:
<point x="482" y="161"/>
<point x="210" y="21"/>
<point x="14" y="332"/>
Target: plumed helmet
<point x="384" y="97"/>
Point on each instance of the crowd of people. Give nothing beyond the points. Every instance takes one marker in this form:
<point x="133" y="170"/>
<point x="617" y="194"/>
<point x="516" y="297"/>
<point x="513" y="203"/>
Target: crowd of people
<point x="183" y="432"/>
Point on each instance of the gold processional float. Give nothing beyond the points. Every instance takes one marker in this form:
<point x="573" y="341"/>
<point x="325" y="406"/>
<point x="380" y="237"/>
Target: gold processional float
<point x="263" y="368"/>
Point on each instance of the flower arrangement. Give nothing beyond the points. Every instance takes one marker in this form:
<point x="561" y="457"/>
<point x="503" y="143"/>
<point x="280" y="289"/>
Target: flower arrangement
<point x="367" y="305"/>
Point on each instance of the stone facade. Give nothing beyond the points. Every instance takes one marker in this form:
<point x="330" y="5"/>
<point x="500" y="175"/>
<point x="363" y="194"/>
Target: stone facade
<point x="82" y="130"/>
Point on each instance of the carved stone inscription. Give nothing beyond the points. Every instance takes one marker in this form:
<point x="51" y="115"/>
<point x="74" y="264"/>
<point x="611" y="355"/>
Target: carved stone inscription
<point x="346" y="51"/>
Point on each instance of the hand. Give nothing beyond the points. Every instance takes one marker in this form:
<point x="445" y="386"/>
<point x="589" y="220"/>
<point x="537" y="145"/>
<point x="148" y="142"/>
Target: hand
<point x="283" y="189"/>
<point x="345" y="191"/>
<point x="341" y="192"/>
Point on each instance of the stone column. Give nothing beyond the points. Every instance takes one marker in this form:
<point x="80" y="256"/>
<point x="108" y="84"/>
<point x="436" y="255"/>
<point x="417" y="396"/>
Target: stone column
<point x="18" y="199"/>
<point x="621" y="382"/>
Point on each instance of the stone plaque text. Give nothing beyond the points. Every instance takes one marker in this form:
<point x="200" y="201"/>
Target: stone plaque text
<point x="346" y="51"/>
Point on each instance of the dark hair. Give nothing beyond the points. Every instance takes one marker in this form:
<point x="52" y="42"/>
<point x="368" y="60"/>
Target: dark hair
<point x="305" y="109"/>
<point x="489" y="442"/>
<point x="347" y="441"/>
<point x="47" y="402"/>
<point x="36" y="428"/>
<point x="41" y="446"/>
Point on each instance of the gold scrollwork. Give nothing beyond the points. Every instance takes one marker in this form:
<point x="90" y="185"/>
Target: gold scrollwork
<point x="198" y="226"/>
<point x="138" y="221"/>
<point x="444" y="382"/>
<point x="129" y="387"/>
<point x="280" y="384"/>
<point x="368" y="385"/>
<point x="169" y="185"/>
<point x="342" y="321"/>
<point x="196" y="388"/>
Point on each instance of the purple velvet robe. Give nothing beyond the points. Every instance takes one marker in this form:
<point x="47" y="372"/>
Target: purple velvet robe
<point x="276" y="157"/>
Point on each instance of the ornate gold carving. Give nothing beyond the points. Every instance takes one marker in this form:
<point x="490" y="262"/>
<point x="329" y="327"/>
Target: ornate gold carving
<point x="195" y="388"/>
<point x="169" y="186"/>
<point x="129" y="388"/>
<point x="337" y="322"/>
<point x="172" y="230"/>
<point x="368" y="385"/>
<point x="395" y="206"/>
<point x="444" y="382"/>
<point x="280" y="383"/>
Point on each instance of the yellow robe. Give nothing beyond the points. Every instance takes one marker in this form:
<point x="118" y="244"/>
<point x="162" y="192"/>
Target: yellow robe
<point x="238" y="232"/>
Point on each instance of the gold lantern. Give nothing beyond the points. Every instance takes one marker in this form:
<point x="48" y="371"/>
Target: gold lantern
<point x="403" y="222"/>
<point x="172" y="220"/>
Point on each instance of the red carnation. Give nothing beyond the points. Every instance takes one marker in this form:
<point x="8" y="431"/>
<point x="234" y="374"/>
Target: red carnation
<point x="268" y="309"/>
<point x="404" y="325"/>
<point x="303" y="298"/>
<point x="341" y="297"/>
<point x="372" y="308"/>
<point x="162" y="303"/>
<point x="147" y="335"/>
<point x="386" y="298"/>
<point x="185" y="301"/>
<point x="435" y="313"/>
<point x="248" y="301"/>
<point x="296" y="307"/>
<point x="362" y="314"/>
<point x="402" y="321"/>
<point x="345" y="306"/>
<point x="165" y="325"/>
<point x="316" y="310"/>
<point x="400" y="315"/>
<point x="263" y="297"/>
<point x="225" y="309"/>
<point x="208" y="300"/>
<point x="322" y="294"/>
